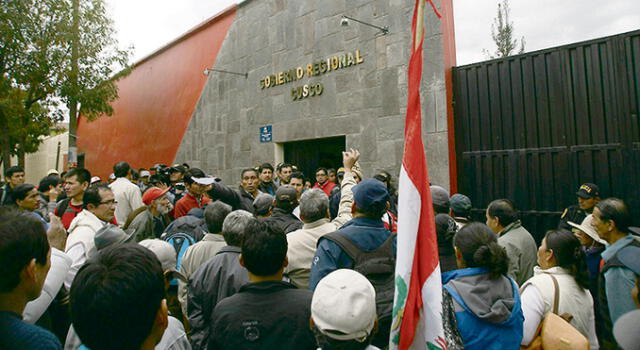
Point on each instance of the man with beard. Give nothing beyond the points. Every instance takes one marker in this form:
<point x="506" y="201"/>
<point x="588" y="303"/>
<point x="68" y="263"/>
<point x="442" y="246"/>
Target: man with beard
<point x="243" y="197"/>
<point x="150" y="220"/>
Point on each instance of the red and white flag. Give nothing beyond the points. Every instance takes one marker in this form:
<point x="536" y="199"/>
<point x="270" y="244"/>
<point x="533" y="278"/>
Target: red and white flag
<point x="417" y="309"/>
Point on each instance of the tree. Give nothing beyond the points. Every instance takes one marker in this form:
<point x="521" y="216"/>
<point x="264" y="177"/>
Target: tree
<point x="502" y="34"/>
<point x="37" y="73"/>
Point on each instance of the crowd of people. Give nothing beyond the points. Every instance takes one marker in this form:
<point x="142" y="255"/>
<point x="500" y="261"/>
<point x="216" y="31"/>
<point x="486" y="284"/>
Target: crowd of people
<point x="172" y="258"/>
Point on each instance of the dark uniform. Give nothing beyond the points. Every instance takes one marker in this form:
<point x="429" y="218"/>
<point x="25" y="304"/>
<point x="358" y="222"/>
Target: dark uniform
<point x="573" y="214"/>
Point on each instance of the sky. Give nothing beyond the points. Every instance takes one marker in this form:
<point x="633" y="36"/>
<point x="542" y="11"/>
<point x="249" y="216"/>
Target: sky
<point x="150" y="24"/>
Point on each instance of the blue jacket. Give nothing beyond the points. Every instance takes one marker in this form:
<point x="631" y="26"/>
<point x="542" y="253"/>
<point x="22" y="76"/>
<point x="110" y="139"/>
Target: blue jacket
<point x="619" y="279"/>
<point x="488" y="311"/>
<point x="368" y="234"/>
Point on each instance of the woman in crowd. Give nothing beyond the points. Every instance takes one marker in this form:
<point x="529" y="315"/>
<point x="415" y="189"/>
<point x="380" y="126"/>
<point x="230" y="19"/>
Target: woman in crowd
<point x="560" y="256"/>
<point x="486" y="301"/>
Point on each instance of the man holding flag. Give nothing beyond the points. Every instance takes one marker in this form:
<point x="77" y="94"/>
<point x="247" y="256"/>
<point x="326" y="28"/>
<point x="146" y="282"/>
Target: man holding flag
<point x="417" y="310"/>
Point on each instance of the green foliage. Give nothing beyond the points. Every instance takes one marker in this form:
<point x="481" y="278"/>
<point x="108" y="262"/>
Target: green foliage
<point x="36" y="64"/>
<point x="502" y="33"/>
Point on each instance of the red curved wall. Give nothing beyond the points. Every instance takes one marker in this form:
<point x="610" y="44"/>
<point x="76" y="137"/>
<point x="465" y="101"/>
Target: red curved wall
<point x="156" y="102"/>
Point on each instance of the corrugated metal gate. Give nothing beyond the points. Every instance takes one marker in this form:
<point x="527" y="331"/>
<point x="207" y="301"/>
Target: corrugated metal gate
<point x="533" y="127"/>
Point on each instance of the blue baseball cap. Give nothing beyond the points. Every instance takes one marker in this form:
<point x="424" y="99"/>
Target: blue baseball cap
<point x="370" y="195"/>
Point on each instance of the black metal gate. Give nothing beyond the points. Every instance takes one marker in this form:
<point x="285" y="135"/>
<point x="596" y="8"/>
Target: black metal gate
<point x="533" y="127"/>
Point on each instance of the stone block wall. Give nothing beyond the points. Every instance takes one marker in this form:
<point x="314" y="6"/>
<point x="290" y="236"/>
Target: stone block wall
<point x="366" y="102"/>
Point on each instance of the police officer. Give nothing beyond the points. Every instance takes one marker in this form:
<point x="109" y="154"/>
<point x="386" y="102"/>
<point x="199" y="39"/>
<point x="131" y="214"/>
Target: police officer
<point x="588" y="195"/>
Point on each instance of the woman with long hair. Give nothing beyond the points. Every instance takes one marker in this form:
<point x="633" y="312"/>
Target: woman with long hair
<point x="560" y="256"/>
<point x="484" y="299"/>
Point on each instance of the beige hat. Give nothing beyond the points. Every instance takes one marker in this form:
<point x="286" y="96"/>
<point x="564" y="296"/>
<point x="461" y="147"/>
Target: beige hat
<point x="587" y="228"/>
<point x="166" y="253"/>
<point x="343" y="306"/>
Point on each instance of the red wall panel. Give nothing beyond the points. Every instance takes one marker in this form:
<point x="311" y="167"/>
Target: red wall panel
<point x="156" y="102"/>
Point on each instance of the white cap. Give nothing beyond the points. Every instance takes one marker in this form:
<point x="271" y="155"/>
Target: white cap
<point x="52" y="172"/>
<point x="145" y="173"/>
<point x="95" y="179"/>
<point x="166" y="254"/>
<point x="343" y="306"/>
<point x="587" y="228"/>
<point x="627" y="330"/>
<point x="112" y="176"/>
<point x="208" y="180"/>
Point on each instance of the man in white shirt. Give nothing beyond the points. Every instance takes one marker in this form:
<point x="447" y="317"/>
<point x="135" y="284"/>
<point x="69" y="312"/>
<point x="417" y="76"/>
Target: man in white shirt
<point x="99" y="207"/>
<point x="126" y="193"/>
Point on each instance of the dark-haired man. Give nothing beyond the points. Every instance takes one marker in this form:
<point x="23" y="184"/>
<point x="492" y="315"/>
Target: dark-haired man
<point x="243" y="197"/>
<point x="99" y="209"/>
<point x="266" y="179"/>
<point x="14" y="176"/>
<point x="196" y="183"/>
<point x="216" y="279"/>
<point x="26" y="198"/>
<point x="588" y="196"/>
<point x="266" y="313"/>
<point x="284" y="172"/>
<point x="118" y="300"/>
<point x="502" y="218"/>
<point x="322" y="181"/>
<point x="25" y="260"/>
<point x="284" y="204"/>
<point x="127" y="194"/>
<point x="50" y="188"/>
<point x="76" y="181"/>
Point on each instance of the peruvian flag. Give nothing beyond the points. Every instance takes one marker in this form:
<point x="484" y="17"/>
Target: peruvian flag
<point x="417" y="309"/>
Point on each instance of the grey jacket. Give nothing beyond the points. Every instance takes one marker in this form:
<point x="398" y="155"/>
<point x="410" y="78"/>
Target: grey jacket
<point x="521" y="250"/>
<point x="218" y="278"/>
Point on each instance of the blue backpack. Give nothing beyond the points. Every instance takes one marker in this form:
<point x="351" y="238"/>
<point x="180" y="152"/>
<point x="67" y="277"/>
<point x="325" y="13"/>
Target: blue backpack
<point x="181" y="242"/>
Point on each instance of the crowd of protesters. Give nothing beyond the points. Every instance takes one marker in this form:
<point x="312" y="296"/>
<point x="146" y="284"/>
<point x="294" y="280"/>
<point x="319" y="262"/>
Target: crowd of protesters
<point x="173" y="258"/>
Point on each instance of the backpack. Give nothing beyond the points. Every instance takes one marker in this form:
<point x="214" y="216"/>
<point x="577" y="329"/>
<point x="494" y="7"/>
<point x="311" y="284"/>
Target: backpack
<point x="181" y="242"/>
<point x="378" y="266"/>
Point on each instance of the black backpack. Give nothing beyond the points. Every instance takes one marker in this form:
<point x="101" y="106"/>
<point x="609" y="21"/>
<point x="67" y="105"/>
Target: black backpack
<point x="378" y="266"/>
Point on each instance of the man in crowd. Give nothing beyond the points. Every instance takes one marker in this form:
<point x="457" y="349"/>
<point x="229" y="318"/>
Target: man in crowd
<point x="76" y="181"/>
<point x="25" y="260"/>
<point x="281" y="217"/>
<point x="322" y="181"/>
<point x="128" y="195"/>
<point x="440" y="200"/>
<point x="297" y="182"/>
<point x="266" y="313"/>
<point x="145" y="175"/>
<point x="284" y="172"/>
<point x="118" y="300"/>
<point x="343" y="311"/>
<point x="266" y="179"/>
<point x="218" y="278"/>
<point x="49" y="188"/>
<point x="314" y="212"/>
<point x="151" y="220"/>
<point x="196" y="183"/>
<point x="26" y="198"/>
<point x="611" y="219"/>
<point x="263" y="205"/>
<point x="588" y="196"/>
<point x="460" y="209"/>
<point x="242" y="198"/>
<point x="207" y="248"/>
<point x="14" y="176"/>
<point x="502" y="218"/>
<point x="99" y="209"/>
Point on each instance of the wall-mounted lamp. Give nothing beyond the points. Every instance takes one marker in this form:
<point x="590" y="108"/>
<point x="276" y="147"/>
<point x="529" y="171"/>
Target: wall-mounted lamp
<point x="345" y="22"/>
<point x="207" y="70"/>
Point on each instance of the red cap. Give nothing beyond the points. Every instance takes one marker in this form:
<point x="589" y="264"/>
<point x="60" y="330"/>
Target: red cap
<point x="152" y="194"/>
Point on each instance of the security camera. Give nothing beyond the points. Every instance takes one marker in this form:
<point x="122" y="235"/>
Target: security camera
<point x="344" y="22"/>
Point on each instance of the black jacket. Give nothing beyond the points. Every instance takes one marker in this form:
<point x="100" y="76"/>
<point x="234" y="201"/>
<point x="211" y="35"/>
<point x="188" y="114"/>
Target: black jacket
<point x="573" y="214"/>
<point x="237" y="199"/>
<point x="283" y="220"/>
<point x="264" y="315"/>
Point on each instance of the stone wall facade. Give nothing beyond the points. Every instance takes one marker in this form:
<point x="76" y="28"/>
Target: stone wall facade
<point x="366" y="102"/>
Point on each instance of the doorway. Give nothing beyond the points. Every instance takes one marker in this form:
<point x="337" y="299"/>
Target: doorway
<point x="309" y="155"/>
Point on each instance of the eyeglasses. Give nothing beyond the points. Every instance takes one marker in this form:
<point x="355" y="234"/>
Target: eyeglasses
<point x="111" y="202"/>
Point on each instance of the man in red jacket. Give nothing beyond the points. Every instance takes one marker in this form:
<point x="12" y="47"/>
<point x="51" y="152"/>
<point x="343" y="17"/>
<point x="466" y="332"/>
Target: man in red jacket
<point x="322" y="181"/>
